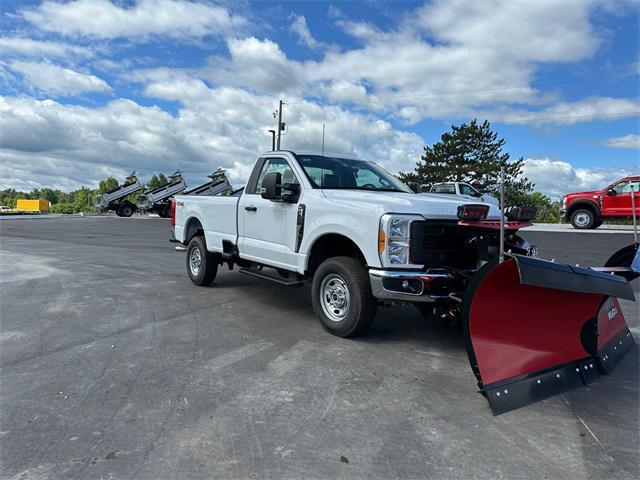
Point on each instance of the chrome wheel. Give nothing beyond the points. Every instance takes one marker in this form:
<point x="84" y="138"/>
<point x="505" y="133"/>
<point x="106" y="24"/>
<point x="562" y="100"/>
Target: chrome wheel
<point x="195" y="261"/>
<point x="334" y="297"/>
<point x="582" y="219"/>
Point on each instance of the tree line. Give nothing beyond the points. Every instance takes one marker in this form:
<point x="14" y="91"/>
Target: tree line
<point x="81" y="200"/>
<point x="470" y="153"/>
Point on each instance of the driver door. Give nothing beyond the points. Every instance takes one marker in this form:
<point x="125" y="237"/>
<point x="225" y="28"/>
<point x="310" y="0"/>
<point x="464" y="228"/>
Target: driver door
<point x="618" y="203"/>
<point x="267" y="228"/>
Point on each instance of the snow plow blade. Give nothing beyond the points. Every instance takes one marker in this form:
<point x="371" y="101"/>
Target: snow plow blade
<point x="535" y="329"/>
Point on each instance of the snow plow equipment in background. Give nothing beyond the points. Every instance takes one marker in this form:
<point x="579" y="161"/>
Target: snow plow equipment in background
<point x="625" y="262"/>
<point x="535" y="328"/>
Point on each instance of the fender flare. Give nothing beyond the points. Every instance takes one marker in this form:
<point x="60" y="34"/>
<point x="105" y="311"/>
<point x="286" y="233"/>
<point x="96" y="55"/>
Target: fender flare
<point x="583" y="203"/>
<point x="191" y="229"/>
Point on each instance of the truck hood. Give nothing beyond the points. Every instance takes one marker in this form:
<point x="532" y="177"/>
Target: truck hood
<point x="584" y="194"/>
<point x="426" y="204"/>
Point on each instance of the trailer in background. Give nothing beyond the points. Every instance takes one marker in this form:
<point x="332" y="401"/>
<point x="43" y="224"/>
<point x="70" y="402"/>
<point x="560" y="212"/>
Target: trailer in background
<point x="26" y="205"/>
<point x="158" y="199"/>
<point x="218" y="185"/>
<point x="115" y="200"/>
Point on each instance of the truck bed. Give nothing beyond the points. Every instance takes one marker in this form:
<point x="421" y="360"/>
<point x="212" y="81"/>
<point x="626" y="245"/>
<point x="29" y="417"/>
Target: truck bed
<point x="217" y="214"/>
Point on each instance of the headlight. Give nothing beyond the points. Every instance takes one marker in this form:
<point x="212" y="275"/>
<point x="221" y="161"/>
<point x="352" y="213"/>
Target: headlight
<point x="394" y="242"/>
<point x="564" y="202"/>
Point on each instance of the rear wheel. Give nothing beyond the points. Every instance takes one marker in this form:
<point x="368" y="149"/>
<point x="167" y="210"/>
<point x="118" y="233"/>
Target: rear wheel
<point x="202" y="265"/>
<point x="583" y="219"/>
<point x="341" y="296"/>
<point x="126" y="211"/>
<point x="165" y="212"/>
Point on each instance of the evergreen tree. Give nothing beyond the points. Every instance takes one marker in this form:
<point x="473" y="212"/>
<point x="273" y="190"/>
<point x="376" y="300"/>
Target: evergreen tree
<point x="157" y="181"/>
<point x="471" y="153"/>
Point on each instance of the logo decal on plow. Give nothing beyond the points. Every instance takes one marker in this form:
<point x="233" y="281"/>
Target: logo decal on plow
<point x="612" y="313"/>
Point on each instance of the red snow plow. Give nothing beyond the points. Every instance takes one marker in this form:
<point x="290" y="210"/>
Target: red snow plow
<point x="535" y="328"/>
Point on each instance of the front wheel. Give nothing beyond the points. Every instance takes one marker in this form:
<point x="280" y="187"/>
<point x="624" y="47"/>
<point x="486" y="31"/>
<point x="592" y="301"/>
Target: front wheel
<point x="202" y="265"/>
<point x="341" y="297"/>
<point x="583" y="219"/>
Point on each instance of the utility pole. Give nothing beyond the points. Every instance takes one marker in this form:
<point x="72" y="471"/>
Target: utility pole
<point x="323" y="139"/>
<point x="273" y="139"/>
<point x="279" y="129"/>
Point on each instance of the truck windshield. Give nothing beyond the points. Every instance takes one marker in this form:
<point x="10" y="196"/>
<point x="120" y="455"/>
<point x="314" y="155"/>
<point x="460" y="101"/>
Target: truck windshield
<point x="348" y="174"/>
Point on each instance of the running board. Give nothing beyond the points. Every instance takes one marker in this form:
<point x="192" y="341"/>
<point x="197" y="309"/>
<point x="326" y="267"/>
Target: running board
<point x="273" y="278"/>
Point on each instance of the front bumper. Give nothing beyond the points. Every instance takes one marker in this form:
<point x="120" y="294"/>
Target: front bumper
<point x="411" y="286"/>
<point x="563" y="214"/>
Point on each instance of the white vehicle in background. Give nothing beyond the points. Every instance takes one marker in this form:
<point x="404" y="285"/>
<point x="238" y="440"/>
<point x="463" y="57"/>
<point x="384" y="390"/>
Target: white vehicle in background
<point x="4" y="208"/>
<point x="462" y="190"/>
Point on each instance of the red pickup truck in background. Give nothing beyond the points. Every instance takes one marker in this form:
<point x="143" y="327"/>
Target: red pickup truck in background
<point x="589" y="209"/>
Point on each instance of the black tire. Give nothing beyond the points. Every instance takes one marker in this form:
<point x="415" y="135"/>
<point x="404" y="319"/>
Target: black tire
<point x="598" y="223"/>
<point x="347" y="279"/>
<point x="125" y="211"/>
<point x="118" y="213"/>
<point x="583" y="219"/>
<point x="206" y="271"/>
<point x="165" y="212"/>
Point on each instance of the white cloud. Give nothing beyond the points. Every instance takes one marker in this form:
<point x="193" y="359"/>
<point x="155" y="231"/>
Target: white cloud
<point x="449" y="60"/>
<point x="215" y="127"/>
<point x="256" y="64"/>
<point x="555" y="178"/>
<point x="57" y="80"/>
<point x="569" y="113"/>
<point x="626" y="141"/>
<point x="528" y="30"/>
<point x="104" y="19"/>
<point x="301" y="29"/>
<point x="27" y="47"/>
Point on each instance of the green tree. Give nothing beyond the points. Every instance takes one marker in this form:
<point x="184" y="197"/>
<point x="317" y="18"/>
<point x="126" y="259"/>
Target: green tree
<point x="107" y="184"/>
<point x="471" y="153"/>
<point x="156" y="181"/>
<point x="547" y="210"/>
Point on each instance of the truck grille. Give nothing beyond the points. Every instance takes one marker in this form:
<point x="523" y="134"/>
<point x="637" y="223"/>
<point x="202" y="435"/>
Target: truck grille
<point x="442" y="243"/>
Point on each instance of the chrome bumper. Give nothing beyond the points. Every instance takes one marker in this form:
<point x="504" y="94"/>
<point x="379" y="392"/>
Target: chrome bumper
<point x="406" y="286"/>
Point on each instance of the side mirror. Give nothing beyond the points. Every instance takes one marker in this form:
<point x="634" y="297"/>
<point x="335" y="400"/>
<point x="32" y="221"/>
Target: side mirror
<point x="271" y="186"/>
<point x="415" y="188"/>
<point x="611" y="191"/>
<point x="291" y="192"/>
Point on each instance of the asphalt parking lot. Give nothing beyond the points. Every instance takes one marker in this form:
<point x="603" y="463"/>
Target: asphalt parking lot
<point x="112" y="365"/>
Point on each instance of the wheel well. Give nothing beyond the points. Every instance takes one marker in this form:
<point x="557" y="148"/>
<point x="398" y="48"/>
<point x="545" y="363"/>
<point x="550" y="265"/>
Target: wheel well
<point x="332" y="245"/>
<point x="586" y="205"/>
<point x="194" y="227"/>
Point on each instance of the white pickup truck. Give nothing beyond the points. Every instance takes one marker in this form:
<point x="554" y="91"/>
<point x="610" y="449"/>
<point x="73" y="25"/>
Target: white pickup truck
<point x="462" y="190"/>
<point x="359" y="234"/>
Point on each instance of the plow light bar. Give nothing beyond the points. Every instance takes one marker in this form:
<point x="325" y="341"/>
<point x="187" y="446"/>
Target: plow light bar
<point x="521" y="214"/>
<point x="473" y="212"/>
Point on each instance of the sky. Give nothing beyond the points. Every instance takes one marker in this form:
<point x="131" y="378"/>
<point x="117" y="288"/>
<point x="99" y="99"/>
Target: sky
<point x="97" y="88"/>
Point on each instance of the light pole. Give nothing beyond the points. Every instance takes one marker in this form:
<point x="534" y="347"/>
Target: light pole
<point x="273" y="140"/>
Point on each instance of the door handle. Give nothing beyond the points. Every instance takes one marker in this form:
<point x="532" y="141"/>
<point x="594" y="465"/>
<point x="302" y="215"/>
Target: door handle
<point x="251" y="208"/>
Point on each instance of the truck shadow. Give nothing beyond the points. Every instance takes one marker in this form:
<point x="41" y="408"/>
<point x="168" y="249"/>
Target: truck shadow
<point x="393" y="324"/>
